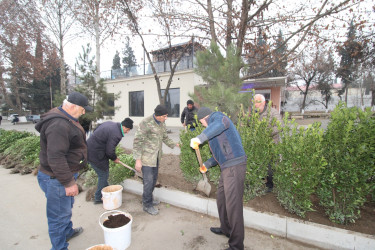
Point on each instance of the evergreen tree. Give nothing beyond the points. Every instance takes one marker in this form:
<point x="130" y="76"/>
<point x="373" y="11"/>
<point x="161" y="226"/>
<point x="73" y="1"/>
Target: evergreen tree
<point x="96" y="92"/>
<point x="116" y="63"/>
<point x="128" y="60"/>
<point x="281" y="50"/>
<point x="351" y="53"/>
<point x="223" y="80"/>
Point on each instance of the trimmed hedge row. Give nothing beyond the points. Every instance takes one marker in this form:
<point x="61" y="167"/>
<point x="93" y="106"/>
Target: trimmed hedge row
<point x="338" y="165"/>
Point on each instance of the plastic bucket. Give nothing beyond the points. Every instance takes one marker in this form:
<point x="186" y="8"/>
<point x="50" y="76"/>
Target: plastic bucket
<point x="118" y="238"/>
<point x="112" y="197"/>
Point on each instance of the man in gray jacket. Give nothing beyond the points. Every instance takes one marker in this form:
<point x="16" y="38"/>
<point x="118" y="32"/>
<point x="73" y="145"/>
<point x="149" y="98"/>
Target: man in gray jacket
<point x="102" y="148"/>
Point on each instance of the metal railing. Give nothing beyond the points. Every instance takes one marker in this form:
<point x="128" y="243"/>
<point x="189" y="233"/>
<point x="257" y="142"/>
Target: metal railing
<point x="140" y="70"/>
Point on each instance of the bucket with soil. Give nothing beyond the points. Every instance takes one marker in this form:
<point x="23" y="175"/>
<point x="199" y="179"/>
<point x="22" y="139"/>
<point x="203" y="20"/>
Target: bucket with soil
<point x="100" y="247"/>
<point x="117" y="229"/>
<point x="112" y="197"/>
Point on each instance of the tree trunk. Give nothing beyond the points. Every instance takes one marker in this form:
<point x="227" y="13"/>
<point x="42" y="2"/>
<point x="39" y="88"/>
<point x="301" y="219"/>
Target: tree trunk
<point x="97" y="41"/>
<point x="62" y="69"/>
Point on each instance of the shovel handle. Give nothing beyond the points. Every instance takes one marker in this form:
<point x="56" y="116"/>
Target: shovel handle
<point x="198" y="153"/>
<point x="128" y="166"/>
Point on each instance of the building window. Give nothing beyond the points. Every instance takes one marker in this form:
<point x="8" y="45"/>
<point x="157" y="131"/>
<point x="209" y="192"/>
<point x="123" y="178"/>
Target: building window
<point x="136" y="103"/>
<point x="110" y="101"/>
<point x="172" y="102"/>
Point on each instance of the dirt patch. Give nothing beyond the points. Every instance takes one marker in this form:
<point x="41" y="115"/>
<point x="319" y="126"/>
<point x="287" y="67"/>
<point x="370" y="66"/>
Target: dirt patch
<point x="115" y="221"/>
<point x="170" y="176"/>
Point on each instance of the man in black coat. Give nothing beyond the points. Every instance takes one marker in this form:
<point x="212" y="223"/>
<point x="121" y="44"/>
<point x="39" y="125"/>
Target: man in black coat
<point x="102" y="148"/>
<point x="187" y="115"/>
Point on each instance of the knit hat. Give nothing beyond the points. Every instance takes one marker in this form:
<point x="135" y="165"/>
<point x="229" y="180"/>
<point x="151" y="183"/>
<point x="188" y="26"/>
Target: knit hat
<point x="80" y="100"/>
<point x="189" y="102"/>
<point x="160" y="110"/>
<point x="203" y="112"/>
<point x="128" y="123"/>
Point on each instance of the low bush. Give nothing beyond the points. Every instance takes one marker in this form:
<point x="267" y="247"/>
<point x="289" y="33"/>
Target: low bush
<point x="26" y="150"/>
<point x="8" y="137"/>
<point x="349" y="147"/>
<point x="256" y="136"/>
<point x="188" y="160"/>
<point x="297" y="174"/>
<point x="117" y="172"/>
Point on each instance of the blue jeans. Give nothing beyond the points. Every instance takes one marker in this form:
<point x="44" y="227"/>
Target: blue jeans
<point x="59" y="211"/>
<point x="102" y="181"/>
<point x="150" y="176"/>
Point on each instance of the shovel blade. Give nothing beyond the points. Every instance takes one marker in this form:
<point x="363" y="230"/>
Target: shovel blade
<point x="204" y="187"/>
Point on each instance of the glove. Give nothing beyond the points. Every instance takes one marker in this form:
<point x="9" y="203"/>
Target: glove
<point x="194" y="143"/>
<point x="203" y="169"/>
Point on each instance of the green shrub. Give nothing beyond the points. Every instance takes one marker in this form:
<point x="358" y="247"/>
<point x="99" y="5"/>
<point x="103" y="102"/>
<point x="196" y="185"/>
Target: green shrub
<point x="256" y="136"/>
<point x="25" y="150"/>
<point x="117" y="172"/>
<point x="8" y="137"/>
<point x="349" y="144"/>
<point x="297" y="174"/>
<point x="188" y="160"/>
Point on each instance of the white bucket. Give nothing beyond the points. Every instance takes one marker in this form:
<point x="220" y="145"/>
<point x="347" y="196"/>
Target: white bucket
<point x="118" y="238"/>
<point x="112" y="197"/>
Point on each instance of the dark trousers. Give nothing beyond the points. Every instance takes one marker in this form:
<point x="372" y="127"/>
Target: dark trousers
<point x="103" y="176"/>
<point x="150" y="176"/>
<point x="230" y="204"/>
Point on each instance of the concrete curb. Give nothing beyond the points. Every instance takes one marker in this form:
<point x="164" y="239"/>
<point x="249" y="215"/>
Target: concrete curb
<point x="307" y="232"/>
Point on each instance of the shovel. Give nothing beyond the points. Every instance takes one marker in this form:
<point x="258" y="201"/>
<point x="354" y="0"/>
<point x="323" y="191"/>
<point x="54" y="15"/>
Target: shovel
<point x="203" y="185"/>
<point x="132" y="169"/>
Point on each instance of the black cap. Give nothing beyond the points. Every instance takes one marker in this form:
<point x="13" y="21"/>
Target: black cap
<point x="128" y="123"/>
<point x="190" y="102"/>
<point x="80" y="100"/>
<point x="203" y="112"/>
<point x="160" y="110"/>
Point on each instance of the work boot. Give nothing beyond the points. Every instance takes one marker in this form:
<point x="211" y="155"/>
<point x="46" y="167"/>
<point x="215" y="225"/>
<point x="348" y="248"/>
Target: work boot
<point x="155" y="202"/>
<point x="76" y="231"/>
<point x="151" y="210"/>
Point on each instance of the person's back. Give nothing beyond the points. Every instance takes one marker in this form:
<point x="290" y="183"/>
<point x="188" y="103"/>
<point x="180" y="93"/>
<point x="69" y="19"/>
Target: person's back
<point x="102" y="143"/>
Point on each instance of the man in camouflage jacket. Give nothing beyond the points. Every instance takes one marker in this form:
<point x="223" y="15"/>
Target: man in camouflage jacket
<point x="147" y="151"/>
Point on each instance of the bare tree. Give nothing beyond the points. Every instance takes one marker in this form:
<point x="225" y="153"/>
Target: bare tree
<point x="238" y="22"/>
<point x="163" y="13"/>
<point x="59" y="20"/>
<point x="313" y="71"/>
<point x="100" y="19"/>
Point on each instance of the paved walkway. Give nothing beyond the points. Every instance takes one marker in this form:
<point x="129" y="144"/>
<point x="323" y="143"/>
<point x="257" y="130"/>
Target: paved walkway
<point x="24" y="223"/>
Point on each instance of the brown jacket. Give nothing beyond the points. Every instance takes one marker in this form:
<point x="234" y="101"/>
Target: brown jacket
<point x="272" y="114"/>
<point x="63" y="149"/>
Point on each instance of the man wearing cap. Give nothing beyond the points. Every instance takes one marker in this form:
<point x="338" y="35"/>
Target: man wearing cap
<point x="63" y="153"/>
<point x="227" y="151"/>
<point x="187" y="115"/>
<point x="102" y="148"/>
<point x="147" y="152"/>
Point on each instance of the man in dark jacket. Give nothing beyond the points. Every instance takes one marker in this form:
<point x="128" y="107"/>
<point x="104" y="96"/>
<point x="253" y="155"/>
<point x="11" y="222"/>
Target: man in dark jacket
<point x="187" y="115"/>
<point x="63" y="153"/>
<point x="227" y="151"/>
<point x="102" y="148"/>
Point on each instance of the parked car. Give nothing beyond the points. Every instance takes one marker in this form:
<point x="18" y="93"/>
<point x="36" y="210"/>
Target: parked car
<point x="33" y="118"/>
<point x="12" y="116"/>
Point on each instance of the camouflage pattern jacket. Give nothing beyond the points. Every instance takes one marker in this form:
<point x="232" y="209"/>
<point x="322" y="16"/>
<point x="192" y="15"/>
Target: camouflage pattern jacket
<point x="148" y="141"/>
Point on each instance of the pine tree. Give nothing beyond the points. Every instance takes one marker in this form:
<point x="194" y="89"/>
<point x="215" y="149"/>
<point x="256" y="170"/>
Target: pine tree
<point x="280" y="51"/>
<point x="116" y="63"/>
<point x="128" y="60"/>
<point x="223" y="80"/>
<point x="95" y="91"/>
<point x="351" y="53"/>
